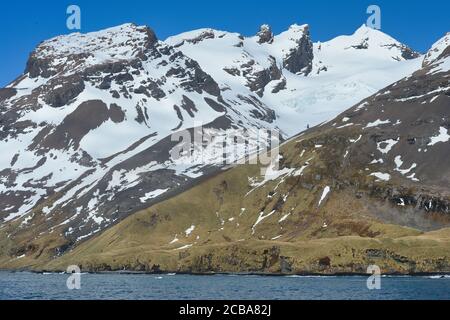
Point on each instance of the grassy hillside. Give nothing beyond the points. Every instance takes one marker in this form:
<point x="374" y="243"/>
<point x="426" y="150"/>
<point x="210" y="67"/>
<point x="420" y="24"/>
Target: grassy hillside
<point x="233" y="223"/>
<point x="247" y="220"/>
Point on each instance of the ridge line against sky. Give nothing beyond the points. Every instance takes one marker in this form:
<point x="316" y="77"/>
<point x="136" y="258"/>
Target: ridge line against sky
<point x="24" y="24"/>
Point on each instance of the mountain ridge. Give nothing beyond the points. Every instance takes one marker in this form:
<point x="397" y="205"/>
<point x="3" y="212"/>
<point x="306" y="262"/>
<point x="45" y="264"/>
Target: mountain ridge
<point x="356" y="191"/>
<point x="123" y="153"/>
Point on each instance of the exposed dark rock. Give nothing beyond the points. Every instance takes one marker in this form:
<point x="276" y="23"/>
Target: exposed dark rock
<point x="6" y="93"/>
<point x="280" y="86"/>
<point x="299" y="60"/>
<point x="434" y="204"/>
<point x="285" y="265"/>
<point x="364" y="45"/>
<point x="38" y="67"/>
<point x="215" y="105"/>
<point x="257" y="81"/>
<point x="407" y="52"/>
<point x="124" y="91"/>
<point x="88" y="116"/>
<point x="105" y="84"/>
<point x="189" y="106"/>
<point x="151" y="89"/>
<point x="63" y="91"/>
<point x="123" y="77"/>
<point x="178" y="111"/>
<point x="265" y="34"/>
<point x="140" y="117"/>
<point x="261" y="111"/>
<point x="201" y="81"/>
<point x="151" y="38"/>
<point x="108" y="68"/>
<point x="233" y="71"/>
<point x="324" y="262"/>
<point x="208" y="34"/>
<point x="115" y="94"/>
<point x="117" y="115"/>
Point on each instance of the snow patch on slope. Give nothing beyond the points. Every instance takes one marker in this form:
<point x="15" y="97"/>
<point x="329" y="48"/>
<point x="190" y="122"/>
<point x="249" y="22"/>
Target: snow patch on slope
<point x="443" y="136"/>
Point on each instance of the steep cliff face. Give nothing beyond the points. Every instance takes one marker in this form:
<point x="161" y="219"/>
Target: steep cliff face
<point x="299" y="60"/>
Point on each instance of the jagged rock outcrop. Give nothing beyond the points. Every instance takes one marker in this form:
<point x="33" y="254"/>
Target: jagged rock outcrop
<point x="265" y="34"/>
<point x="258" y="80"/>
<point x="299" y="59"/>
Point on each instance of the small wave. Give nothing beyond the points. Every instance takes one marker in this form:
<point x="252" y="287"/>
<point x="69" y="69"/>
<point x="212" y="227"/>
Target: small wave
<point x="310" y="276"/>
<point x="66" y="273"/>
<point x="444" y="276"/>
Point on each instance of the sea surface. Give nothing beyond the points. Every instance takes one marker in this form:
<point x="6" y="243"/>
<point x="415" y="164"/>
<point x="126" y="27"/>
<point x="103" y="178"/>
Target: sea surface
<point x="35" y="286"/>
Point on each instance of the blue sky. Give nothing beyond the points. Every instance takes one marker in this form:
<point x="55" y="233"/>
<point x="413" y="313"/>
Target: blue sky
<point x="23" y="24"/>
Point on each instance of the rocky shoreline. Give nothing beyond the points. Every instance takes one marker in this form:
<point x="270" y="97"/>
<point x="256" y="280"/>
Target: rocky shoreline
<point x="238" y="274"/>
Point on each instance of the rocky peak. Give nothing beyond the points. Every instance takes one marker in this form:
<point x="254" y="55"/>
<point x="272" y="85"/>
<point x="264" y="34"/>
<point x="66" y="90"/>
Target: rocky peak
<point x="195" y="37"/>
<point x="76" y="50"/>
<point x="300" y="56"/>
<point x="366" y="38"/>
<point x="298" y="28"/>
<point x="203" y="35"/>
<point x="265" y="34"/>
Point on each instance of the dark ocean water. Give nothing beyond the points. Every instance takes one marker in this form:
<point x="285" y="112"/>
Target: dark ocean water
<point x="184" y="287"/>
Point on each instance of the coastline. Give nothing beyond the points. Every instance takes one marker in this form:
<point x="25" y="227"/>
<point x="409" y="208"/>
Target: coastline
<point x="210" y="274"/>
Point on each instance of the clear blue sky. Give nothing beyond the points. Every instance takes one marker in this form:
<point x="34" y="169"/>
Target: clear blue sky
<point x="23" y="24"/>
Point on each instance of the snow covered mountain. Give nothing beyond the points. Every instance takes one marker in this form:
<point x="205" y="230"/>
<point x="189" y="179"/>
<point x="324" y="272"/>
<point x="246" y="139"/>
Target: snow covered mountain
<point x="304" y="82"/>
<point x="404" y="130"/>
<point x="370" y="186"/>
<point x="86" y="130"/>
